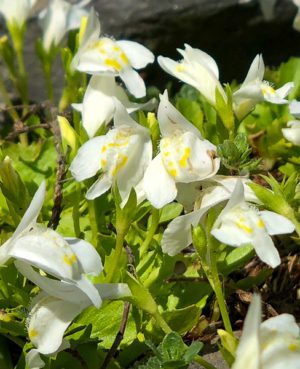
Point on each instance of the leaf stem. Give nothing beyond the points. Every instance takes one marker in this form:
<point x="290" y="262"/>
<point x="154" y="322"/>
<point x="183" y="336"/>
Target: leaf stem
<point x="151" y="232"/>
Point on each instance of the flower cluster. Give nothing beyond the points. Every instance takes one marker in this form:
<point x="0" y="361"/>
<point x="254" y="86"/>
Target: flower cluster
<point x="153" y="163"/>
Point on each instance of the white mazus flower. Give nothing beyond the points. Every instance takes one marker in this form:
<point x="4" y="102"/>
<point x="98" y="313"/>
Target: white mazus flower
<point x="66" y="259"/>
<point x="51" y="314"/>
<point x="178" y="234"/>
<point x="59" y="18"/>
<point x="273" y="344"/>
<point x="255" y="90"/>
<point x="197" y="69"/>
<point x="16" y="11"/>
<point x="292" y="133"/>
<point x="240" y="224"/>
<point x="184" y="156"/>
<point x="122" y="155"/>
<point x="98" y="106"/>
<point x="106" y="56"/>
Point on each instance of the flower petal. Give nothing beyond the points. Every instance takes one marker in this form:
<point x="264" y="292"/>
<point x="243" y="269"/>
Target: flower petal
<point x="248" y="351"/>
<point x="285" y="89"/>
<point x="294" y="106"/>
<point x="283" y="323"/>
<point x="47" y="250"/>
<point x="61" y="290"/>
<point x="33" y="210"/>
<point x="102" y="185"/>
<point x="198" y="56"/>
<point x="170" y="118"/>
<point x="232" y="236"/>
<point x="292" y="133"/>
<point x="113" y="291"/>
<point x="158" y="185"/>
<point x="276" y="223"/>
<point x="236" y="198"/>
<point x="133" y="81"/>
<point x="33" y="360"/>
<point x="87" y="256"/>
<point x="98" y="105"/>
<point x="265" y="249"/>
<point x="139" y="56"/>
<point x="178" y="234"/>
<point x="87" y="161"/>
<point x="48" y="321"/>
<point x="256" y="71"/>
<point x="140" y="156"/>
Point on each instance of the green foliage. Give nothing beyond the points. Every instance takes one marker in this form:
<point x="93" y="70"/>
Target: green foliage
<point x="171" y="353"/>
<point x="235" y="155"/>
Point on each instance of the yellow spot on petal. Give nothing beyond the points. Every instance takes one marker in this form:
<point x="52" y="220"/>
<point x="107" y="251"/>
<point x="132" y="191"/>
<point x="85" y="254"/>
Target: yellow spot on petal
<point x="172" y="172"/>
<point x="113" y="63"/>
<point x="124" y="58"/>
<point x="260" y="223"/>
<point x="183" y="160"/>
<point x="33" y="333"/>
<point x="69" y="260"/>
<point x="82" y="28"/>
<point x="73" y="257"/>
<point x="292" y="347"/>
<point x="180" y="68"/>
<point x="166" y="153"/>
<point x="266" y="89"/>
<point x="104" y="148"/>
<point x="121" y="163"/>
<point x="244" y="227"/>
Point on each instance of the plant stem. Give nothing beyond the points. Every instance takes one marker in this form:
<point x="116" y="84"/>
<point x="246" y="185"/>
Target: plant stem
<point x="17" y="35"/>
<point x="161" y="322"/>
<point x="217" y="287"/>
<point x="47" y="69"/>
<point x="118" y="253"/>
<point x="93" y="222"/>
<point x="76" y="212"/>
<point x="151" y="232"/>
<point x="203" y="362"/>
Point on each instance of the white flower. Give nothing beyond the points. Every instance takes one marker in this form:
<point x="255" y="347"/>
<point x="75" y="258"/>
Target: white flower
<point x="16" y="11"/>
<point x="184" y="156"/>
<point x="294" y="108"/>
<point x="292" y="133"/>
<point x="255" y="90"/>
<point x="106" y="56"/>
<point x="59" y="18"/>
<point x="68" y="260"/>
<point x="178" y="235"/>
<point x="240" y="224"/>
<point x="52" y="312"/>
<point x="122" y="155"/>
<point x="197" y="69"/>
<point x="98" y="104"/>
<point x="273" y="344"/>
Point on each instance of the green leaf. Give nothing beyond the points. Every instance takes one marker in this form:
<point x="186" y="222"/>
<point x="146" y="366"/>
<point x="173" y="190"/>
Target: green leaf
<point x="5" y="358"/>
<point x="182" y="320"/>
<point x="235" y="259"/>
<point x="105" y="324"/>
<point x="170" y="212"/>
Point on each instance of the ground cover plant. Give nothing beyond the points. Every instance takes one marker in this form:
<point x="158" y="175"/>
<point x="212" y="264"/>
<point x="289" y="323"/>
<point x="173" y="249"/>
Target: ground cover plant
<point x="143" y="228"/>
